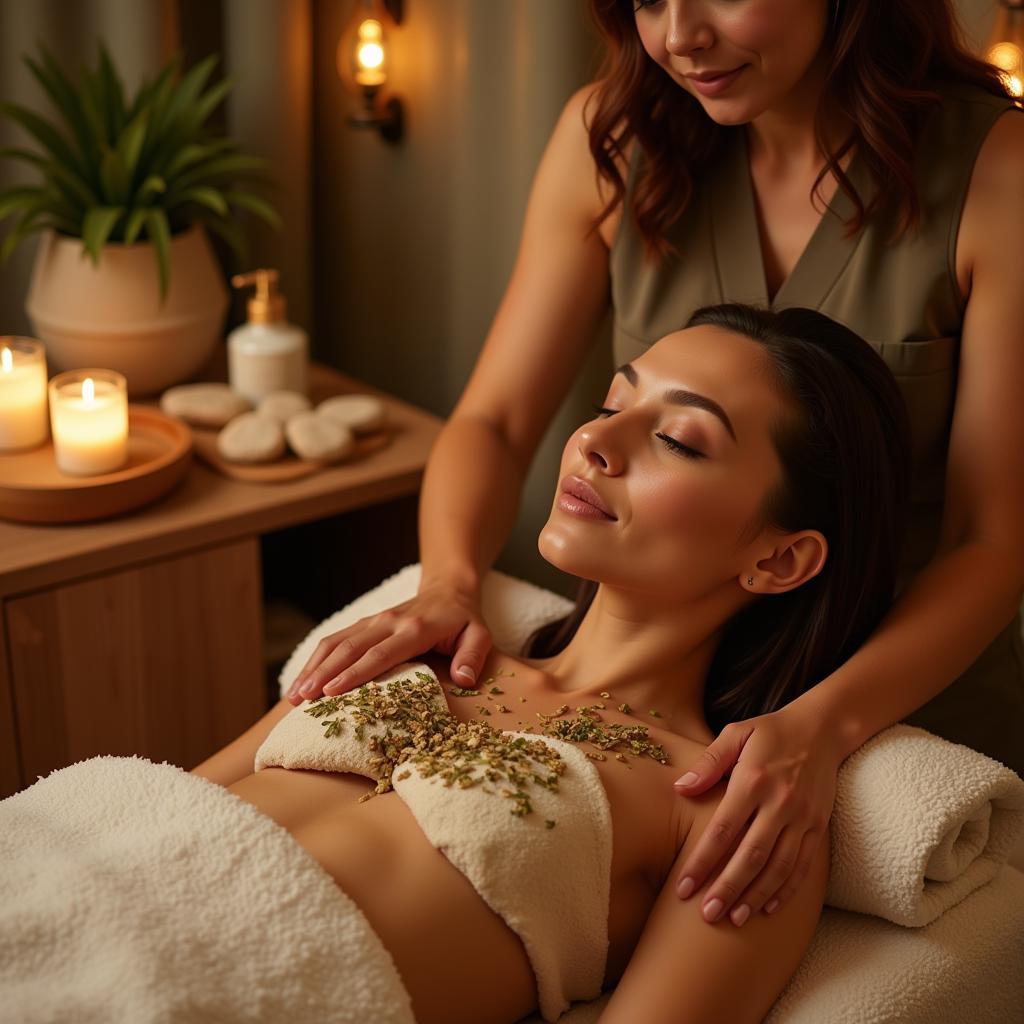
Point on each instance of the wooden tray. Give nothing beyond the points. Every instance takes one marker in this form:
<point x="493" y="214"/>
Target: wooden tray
<point x="289" y="466"/>
<point x="34" y="490"/>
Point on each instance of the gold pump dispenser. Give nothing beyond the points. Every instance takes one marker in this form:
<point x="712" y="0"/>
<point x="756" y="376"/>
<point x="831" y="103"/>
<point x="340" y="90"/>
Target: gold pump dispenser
<point x="267" y="306"/>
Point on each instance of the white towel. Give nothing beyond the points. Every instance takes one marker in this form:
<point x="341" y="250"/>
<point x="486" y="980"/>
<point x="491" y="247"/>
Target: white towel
<point x="137" y="893"/>
<point x="918" y="823"/>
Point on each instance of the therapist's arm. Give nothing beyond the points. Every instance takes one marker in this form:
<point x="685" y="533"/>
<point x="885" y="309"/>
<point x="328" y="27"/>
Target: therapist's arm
<point x="948" y="613"/>
<point x="958" y="603"/>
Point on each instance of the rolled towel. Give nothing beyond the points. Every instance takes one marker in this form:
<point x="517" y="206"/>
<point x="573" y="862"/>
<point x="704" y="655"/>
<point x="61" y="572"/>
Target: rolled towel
<point x="918" y="824"/>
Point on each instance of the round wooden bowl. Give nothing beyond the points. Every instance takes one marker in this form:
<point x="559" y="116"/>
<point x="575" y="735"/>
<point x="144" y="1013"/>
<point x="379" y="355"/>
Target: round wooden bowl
<point x="34" y="490"/>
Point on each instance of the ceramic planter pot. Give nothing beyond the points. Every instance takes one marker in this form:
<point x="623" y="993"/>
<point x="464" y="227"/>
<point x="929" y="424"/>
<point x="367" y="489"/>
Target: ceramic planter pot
<point x="111" y="315"/>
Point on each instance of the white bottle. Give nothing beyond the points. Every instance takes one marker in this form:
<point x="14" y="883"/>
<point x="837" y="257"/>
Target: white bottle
<point x="267" y="353"/>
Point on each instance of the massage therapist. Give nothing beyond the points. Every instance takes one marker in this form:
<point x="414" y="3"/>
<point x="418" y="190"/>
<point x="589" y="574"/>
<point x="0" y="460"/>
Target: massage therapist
<point x="696" y="170"/>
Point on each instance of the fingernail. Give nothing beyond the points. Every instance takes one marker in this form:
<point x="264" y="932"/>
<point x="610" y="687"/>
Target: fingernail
<point x="686" y="887"/>
<point x="713" y="909"/>
<point x="770" y="906"/>
<point x="466" y="672"/>
<point x="740" y="914"/>
<point x="688" y="779"/>
<point x="306" y="690"/>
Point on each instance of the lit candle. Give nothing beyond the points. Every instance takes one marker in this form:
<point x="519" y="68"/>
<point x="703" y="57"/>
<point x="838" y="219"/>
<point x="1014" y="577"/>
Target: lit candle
<point x="89" y="417"/>
<point x="23" y="422"/>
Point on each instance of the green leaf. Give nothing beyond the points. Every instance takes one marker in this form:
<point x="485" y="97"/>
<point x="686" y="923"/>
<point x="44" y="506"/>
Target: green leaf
<point x="149" y="188"/>
<point x="113" y="93"/>
<point x="205" y="196"/>
<point x="230" y="232"/>
<point x="71" y="185"/>
<point x="153" y="95"/>
<point x="43" y="132"/>
<point x="257" y="205"/>
<point x="235" y="165"/>
<point x="28" y="225"/>
<point x="134" y="225"/>
<point x="129" y="145"/>
<point x="11" y="153"/>
<point x="160" y="235"/>
<point x="20" y="198"/>
<point x="193" y="153"/>
<point x="89" y="95"/>
<point x="96" y="228"/>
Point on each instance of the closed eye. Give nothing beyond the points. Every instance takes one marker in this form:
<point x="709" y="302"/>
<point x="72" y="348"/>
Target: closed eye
<point x="670" y="442"/>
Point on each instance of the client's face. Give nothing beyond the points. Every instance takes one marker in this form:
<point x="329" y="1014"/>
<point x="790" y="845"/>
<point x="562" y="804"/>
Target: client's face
<point x="679" y="487"/>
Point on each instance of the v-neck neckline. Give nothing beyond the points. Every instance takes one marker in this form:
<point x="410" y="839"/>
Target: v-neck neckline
<point x="737" y="238"/>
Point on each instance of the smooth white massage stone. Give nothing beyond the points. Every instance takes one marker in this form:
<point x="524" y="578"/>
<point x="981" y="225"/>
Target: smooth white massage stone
<point x="313" y="436"/>
<point x="204" y="405"/>
<point x="282" y="405"/>
<point x="251" y="438"/>
<point x="360" y="413"/>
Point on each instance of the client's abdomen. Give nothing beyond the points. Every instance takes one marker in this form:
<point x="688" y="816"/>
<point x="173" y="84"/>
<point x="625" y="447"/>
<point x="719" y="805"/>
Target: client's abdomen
<point x="459" y="961"/>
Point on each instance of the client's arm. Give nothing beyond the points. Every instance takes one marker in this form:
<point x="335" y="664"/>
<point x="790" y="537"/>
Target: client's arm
<point x="684" y="971"/>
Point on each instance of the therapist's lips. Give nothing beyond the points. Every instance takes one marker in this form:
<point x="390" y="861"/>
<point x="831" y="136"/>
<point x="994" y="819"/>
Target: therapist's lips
<point x="707" y="85"/>
<point x="580" y="498"/>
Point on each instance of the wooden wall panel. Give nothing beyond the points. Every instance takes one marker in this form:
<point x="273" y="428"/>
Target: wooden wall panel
<point x="10" y="770"/>
<point x="163" y="660"/>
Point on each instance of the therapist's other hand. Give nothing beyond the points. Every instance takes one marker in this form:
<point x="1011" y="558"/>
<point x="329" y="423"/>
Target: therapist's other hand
<point x="442" y="617"/>
<point x="785" y="781"/>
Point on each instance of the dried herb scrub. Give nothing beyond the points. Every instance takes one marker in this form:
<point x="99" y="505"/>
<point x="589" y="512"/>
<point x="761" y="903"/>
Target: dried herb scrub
<point x="418" y="731"/>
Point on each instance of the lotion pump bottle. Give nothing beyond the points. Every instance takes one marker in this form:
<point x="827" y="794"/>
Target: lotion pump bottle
<point x="267" y="353"/>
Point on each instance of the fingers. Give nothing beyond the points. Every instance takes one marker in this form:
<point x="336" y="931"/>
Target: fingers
<point x="765" y="856"/>
<point x="335" y="653"/>
<point x="804" y="858"/>
<point x="472" y="650"/>
<point x="325" y="646"/>
<point x="378" y="658"/>
<point x="713" y="762"/>
<point x="717" y="841"/>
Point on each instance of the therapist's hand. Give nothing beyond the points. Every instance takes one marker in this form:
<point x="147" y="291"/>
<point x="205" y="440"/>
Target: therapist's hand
<point x="780" y="794"/>
<point x="443" y="617"/>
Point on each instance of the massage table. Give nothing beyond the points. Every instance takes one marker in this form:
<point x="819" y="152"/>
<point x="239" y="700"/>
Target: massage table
<point x="860" y="968"/>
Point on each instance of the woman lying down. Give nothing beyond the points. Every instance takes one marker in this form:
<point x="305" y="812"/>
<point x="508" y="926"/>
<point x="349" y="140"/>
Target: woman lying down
<point x="466" y="857"/>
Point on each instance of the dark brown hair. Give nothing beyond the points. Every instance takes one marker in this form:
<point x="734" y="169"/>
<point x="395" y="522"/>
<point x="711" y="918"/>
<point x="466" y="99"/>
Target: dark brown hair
<point x="887" y="56"/>
<point x="844" y="450"/>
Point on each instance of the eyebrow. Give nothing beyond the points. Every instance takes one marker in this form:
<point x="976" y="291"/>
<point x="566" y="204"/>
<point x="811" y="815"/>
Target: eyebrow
<point x="680" y="396"/>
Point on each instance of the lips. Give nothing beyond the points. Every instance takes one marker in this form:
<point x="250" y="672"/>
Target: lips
<point x="709" y="76"/>
<point x="579" y="488"/>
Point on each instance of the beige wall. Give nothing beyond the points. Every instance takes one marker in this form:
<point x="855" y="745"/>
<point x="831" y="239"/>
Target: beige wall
<point x="415" y="243"/>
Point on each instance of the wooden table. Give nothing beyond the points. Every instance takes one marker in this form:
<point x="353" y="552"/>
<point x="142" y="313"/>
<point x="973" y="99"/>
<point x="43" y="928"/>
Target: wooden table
<point x="142" y="634"/>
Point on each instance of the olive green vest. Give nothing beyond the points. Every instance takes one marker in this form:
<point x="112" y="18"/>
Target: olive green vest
<point x="901" y="297"/>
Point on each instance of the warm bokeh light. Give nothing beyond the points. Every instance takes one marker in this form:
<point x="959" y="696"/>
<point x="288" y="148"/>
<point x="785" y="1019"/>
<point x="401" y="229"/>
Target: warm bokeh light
<point x="89" y="390"/>
<point x="369" y="57"/>
<point x="6" y="360"/>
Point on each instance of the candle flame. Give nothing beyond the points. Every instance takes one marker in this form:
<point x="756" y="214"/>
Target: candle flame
<point x="88" y="389"/>
<point x="6" y="360"/>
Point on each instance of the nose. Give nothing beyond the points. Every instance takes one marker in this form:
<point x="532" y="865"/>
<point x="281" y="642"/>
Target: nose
<point x="598" y="447"/>
<point x="687" y="29"/>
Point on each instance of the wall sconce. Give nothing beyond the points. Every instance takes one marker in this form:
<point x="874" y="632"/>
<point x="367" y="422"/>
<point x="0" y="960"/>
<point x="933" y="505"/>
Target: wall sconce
<point x="1005" y="46"/>
<point x="363" y="66"/>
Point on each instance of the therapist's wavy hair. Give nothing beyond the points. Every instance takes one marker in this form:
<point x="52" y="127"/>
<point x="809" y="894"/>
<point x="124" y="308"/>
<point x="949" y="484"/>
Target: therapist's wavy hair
<point x="887" y="56"/>
<point x="844" y="450"/>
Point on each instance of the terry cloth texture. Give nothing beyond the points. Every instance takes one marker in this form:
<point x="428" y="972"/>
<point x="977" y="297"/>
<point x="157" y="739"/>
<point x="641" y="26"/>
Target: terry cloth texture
<point x="551" y="886"/>
<point x="137" y="893"/>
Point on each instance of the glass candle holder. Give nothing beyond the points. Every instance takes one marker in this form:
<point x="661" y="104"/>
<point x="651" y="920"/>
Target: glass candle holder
<point x="23" y="420"/>
<point x="89" y="420"/>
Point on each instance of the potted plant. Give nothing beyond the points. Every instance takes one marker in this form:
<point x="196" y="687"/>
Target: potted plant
<point x="133" y="186"/>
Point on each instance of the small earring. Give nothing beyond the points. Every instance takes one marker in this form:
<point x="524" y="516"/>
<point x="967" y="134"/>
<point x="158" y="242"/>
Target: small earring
<point x="750" y="580"/>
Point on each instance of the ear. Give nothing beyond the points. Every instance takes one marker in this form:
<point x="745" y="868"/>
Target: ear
<point x="798" y="557"/>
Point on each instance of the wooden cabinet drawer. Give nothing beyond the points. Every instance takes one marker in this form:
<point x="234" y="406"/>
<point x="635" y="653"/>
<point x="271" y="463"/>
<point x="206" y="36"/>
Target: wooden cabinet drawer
<point x="161" y="660"/>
